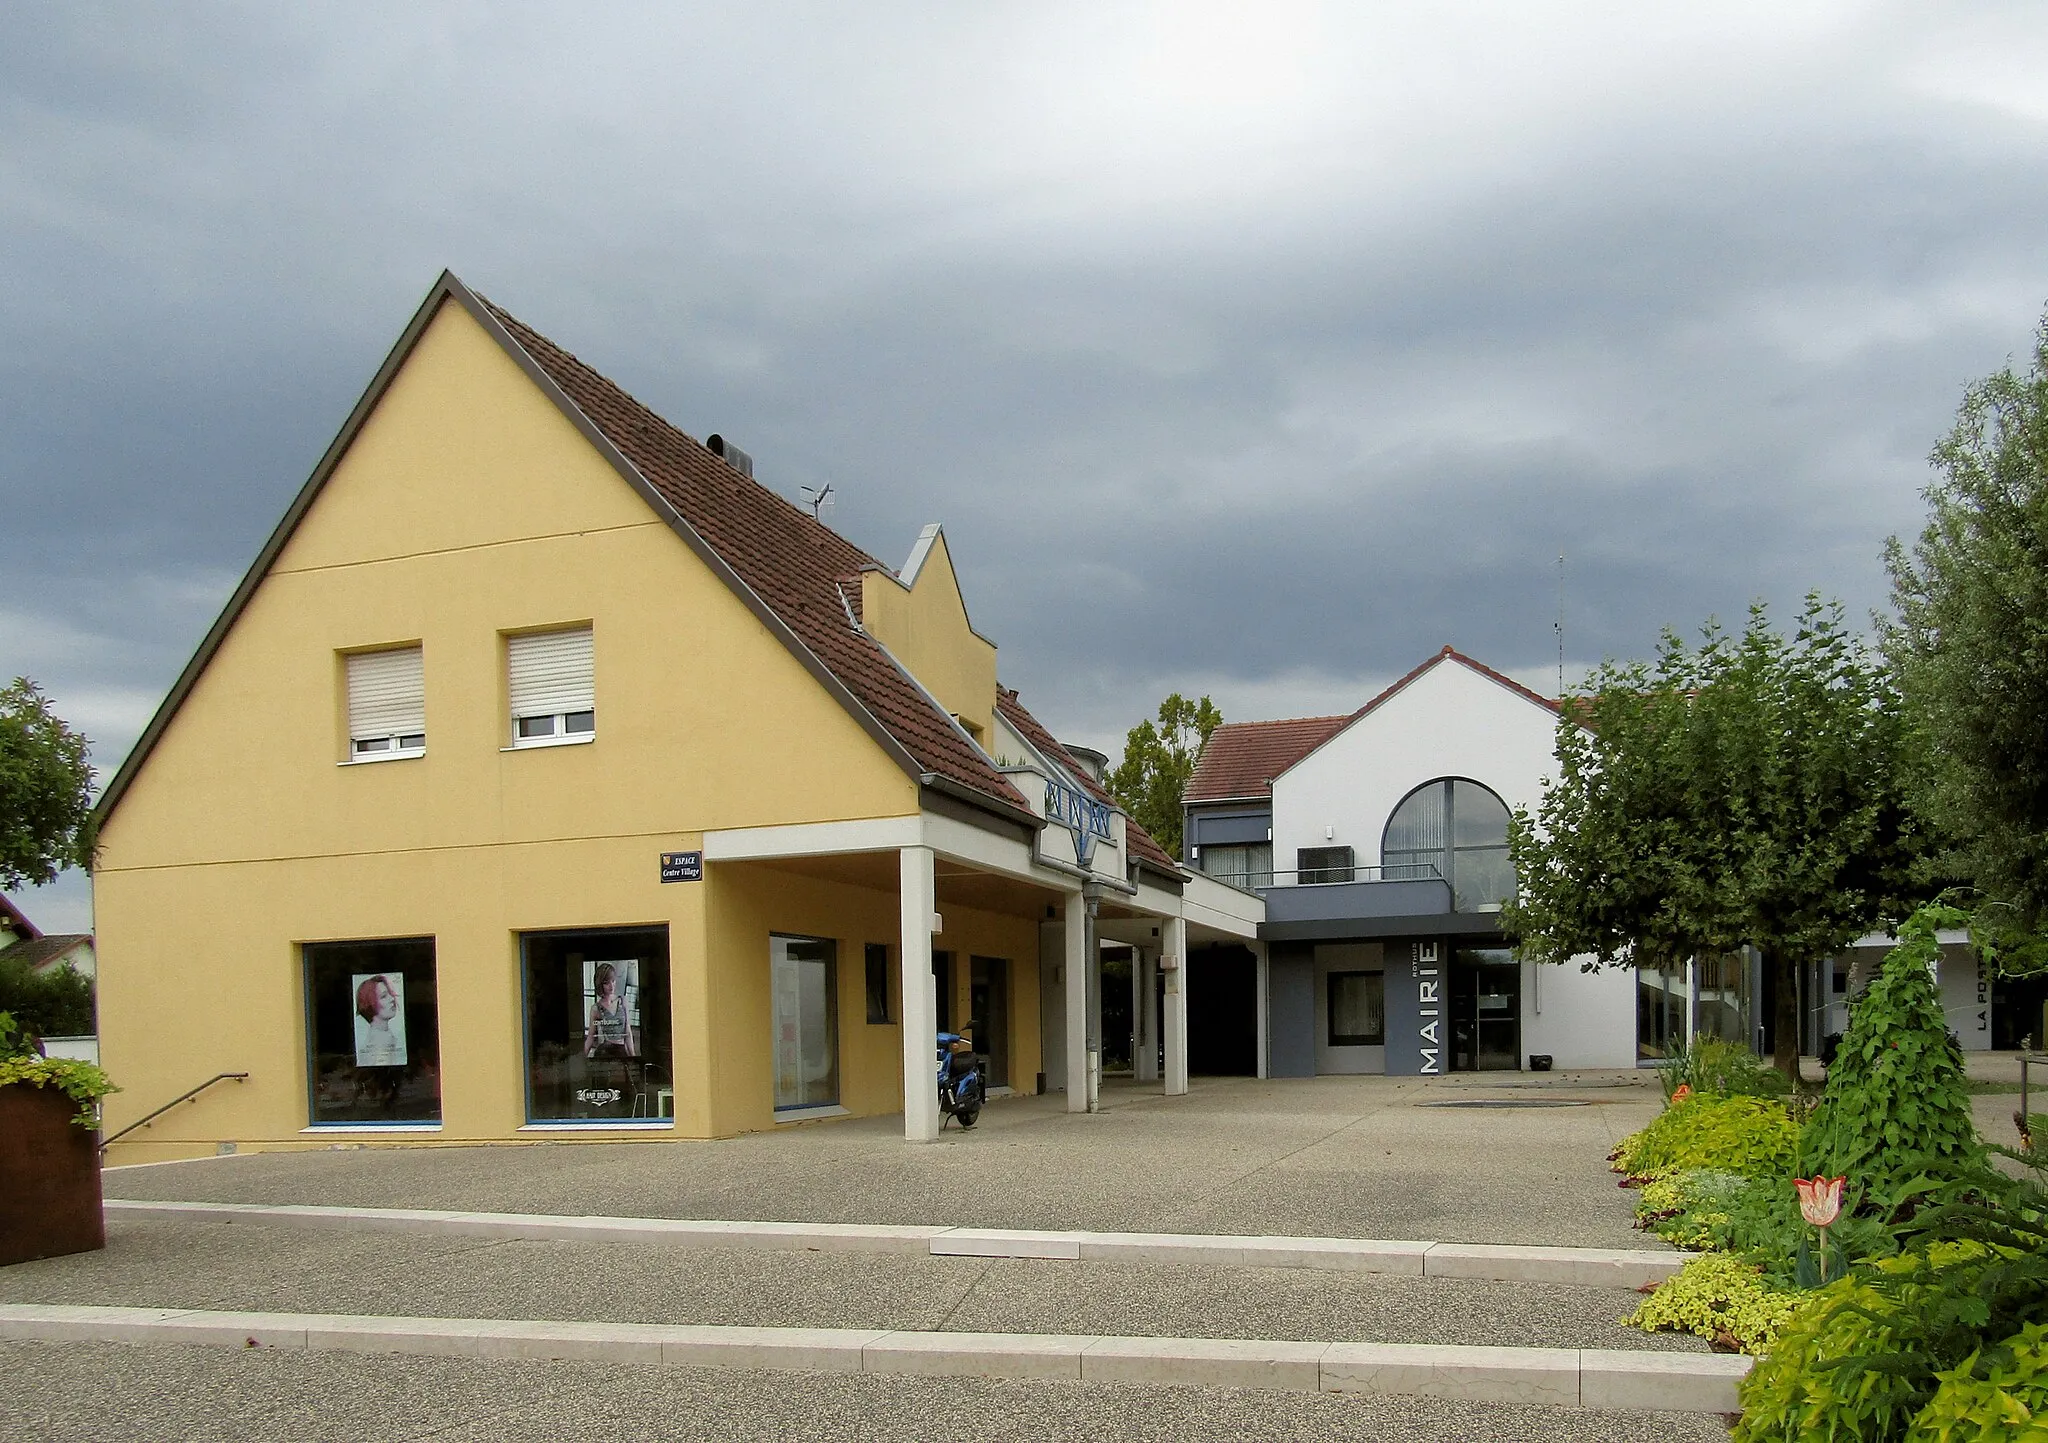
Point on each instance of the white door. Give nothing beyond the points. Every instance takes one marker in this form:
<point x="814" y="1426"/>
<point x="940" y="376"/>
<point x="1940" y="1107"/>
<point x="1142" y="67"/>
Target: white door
<point x="801" y="974"/>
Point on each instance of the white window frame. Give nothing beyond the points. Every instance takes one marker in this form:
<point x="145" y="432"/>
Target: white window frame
<point x="573" y="724"/>
<point x="383" y="746"/>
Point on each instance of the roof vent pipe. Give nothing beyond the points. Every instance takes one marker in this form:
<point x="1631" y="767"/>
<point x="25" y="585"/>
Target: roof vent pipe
<point x="732" y="455"/>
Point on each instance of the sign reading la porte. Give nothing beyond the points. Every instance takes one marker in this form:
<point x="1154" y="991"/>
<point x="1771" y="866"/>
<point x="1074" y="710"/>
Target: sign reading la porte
<point x="1080" y="814"/>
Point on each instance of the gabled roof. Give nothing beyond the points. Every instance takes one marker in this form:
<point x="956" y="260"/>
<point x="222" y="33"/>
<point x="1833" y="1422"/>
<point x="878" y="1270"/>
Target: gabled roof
<point x="1242" y="758"/>
<point x="1252" y="754"/>
<point x="1140" y="842"/>
<point x="786" y="566"/>
<point x="17" y="920"/>
<point x="47" y="951"/>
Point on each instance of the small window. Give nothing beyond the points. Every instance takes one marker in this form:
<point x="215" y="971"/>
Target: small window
<point x="1357" y="1009"/>
<point x="387" y="703"/>
<point x="553" y="694"/>
<point x="1324" y="864"/>
<point x="878" y="983"/>
<point x="1247" y="866"/>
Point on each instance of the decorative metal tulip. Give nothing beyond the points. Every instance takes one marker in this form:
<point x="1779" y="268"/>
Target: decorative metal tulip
<point x="1820" y="1203"/>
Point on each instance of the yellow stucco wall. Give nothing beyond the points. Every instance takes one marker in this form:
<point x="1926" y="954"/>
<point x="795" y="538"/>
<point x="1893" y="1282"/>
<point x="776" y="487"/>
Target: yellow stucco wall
<point x="926" y="627"/>
<point x="752" y="901"/>
<point x="467" y="508"/>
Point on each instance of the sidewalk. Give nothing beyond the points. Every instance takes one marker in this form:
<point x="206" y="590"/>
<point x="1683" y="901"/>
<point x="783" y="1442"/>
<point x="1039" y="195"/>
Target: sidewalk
<point x="1317" y="1157"/>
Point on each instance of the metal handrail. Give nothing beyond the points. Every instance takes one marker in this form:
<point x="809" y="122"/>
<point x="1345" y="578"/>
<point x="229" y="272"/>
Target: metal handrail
<point x="106" y="1143"/>
<point x="1407" y="872"/>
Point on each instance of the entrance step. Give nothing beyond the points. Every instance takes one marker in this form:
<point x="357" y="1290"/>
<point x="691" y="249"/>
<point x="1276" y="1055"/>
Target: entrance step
<point x="1581" y="1267"/>
<point x="1570" y="1377"/>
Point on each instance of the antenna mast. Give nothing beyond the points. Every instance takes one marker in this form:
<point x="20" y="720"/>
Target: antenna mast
<point x="819" y="496"/>
<point x="1558" y="626"/>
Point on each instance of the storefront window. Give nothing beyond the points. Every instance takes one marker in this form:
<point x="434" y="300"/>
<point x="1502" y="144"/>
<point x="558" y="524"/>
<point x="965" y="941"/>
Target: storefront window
<point x="1357" y="1009"/>
<point x="597" y="1025"/>
<point x="373" y="1033"/>
<point x="802" y="974"/>
<point x="1722" y="1005"/>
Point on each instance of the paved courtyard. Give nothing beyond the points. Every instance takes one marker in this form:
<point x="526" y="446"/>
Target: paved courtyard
<point x="1328" y="1156"/>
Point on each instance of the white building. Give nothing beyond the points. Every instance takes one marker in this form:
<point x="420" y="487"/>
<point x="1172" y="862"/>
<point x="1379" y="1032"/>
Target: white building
<point x="1379" y="841"/>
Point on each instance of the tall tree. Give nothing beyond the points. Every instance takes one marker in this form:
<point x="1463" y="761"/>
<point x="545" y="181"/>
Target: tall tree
<point x="1744" y="791"/>
<point x="1157" y="762"/>
<point x="45" y="790"/>
<point x="1970" y="646"/>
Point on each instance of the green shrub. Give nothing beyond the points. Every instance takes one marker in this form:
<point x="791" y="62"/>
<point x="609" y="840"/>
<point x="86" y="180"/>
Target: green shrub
<point x="1751" y="1136"/>
<point x="1896" y="1103"/>
<point x="21" y="1066"/>
<point x="1719" y="1298"/>
<point x="2000" y="1396"/>
<point x="1802" y="1392"/>
<point x="56" y="1003"/>
<point x="1716" y="1065"/>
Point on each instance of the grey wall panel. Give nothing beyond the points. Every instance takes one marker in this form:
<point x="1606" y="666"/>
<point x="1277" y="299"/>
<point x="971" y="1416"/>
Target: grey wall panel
<point x="1418" y="982"/>
<point x="1291" y="1016"/>
<point x="1225" y="829"/>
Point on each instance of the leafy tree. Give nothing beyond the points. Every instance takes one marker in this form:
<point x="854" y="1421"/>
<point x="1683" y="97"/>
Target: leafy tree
<point x="1970" y="646"/>
<point x="45" y="790"/>
<point x="56" y="1003"/>
<point x="1744" y="791"/>
<point x="1157" y="762"/>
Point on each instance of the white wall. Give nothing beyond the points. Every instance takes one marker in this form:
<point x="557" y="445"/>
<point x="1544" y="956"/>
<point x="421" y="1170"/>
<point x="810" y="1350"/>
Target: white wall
<point x="1582" y="1019"/>
<point x="1965" y="995"/>
<point x="1449" y="722"/>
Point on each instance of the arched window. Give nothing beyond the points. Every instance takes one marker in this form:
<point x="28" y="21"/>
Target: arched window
<point x="1455" y="829"/>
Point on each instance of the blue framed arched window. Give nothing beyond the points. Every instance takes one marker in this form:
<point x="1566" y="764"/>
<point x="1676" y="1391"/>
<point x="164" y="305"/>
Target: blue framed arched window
<point x="1456" y="829"/>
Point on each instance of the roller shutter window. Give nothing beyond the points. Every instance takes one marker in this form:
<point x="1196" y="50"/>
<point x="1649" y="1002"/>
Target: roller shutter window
<point x="553" y="697"/>
<point x="387" y="703"/>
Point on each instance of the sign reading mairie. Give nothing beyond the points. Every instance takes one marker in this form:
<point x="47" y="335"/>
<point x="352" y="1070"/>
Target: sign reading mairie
<point x="1080" y="814"/>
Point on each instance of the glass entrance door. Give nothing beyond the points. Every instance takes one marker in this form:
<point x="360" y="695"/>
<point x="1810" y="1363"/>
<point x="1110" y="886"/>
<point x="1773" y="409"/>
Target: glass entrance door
<point x="806" y="1021"/>
<point x="1486" y="1010"/>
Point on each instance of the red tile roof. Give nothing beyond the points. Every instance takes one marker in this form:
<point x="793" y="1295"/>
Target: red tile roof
<point x="1139" y="842"/>
<point x="1242" y="758"/>
<point x="802" y="569"/>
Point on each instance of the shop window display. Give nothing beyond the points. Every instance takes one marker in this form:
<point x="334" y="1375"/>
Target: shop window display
<point x="597" y="1025"/>
<point x="373" y="1028"/>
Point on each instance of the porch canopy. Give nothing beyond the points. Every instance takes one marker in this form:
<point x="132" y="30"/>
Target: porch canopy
<point x="954" y="857"/>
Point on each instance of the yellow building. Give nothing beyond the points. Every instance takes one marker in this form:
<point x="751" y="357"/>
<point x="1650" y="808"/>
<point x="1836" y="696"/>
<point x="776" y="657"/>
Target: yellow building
<point x="547" y="776"/>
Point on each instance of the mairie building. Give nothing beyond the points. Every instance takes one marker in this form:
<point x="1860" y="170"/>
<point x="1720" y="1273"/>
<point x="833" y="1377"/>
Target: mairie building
<point x="547" y="777"/>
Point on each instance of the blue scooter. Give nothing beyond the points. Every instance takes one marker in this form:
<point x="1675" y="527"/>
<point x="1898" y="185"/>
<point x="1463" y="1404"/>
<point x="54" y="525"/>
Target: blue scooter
<point x="962" y="1087"/>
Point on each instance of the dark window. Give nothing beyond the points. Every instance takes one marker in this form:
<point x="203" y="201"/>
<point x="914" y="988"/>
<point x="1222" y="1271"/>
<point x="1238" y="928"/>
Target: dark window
<point x="1457" y="830"/>
<point x="1357" y="1009"/>
<point x="597" y="1025"/>
<point x="1324" y="864"/>
<point x="374" y="1034"/>
<point x="878" y="983"/>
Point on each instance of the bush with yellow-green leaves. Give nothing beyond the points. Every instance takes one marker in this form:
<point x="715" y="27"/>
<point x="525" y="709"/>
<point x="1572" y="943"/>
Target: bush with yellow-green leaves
<point x="1719" y="1298"/>
<point x="1751" y="1136"/>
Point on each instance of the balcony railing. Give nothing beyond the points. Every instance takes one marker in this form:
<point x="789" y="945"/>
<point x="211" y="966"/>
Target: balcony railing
<point x="1259" y="881"/>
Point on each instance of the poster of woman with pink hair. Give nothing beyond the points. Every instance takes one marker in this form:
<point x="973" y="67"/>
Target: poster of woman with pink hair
<point x="380" y="1019"/>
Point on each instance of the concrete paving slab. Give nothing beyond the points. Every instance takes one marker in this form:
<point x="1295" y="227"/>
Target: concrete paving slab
<point x="1206" y="1363"/>
<point x="1525" y="1376"/>
<point x="978" y="1355"/>
<point x="1693" y="1382"/>
<point x="1579" y="1267"/>
<point x="1005" y="1243"/>
<point x="1354" y="1255"/>
<point x="60" y="1324"/>
<point x="817" y="1350"/>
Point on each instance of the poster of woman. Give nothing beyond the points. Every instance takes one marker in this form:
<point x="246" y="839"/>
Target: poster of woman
<point x="380" y="1019"/>
<point x="611" y="1001"/>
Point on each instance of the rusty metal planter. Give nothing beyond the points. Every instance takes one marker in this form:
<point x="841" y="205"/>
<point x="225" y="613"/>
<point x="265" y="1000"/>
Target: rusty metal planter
<point x="49" y="1177"/>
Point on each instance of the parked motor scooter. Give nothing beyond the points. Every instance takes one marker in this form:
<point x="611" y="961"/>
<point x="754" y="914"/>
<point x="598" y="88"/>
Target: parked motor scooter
<point x="962" y="1086"/>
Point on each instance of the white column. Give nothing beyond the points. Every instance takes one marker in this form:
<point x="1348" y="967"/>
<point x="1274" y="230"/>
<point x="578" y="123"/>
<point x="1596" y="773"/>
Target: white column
<point x="918" y="892"/>
<point x="1176" y="947"/>
<point x="1265" y="985"/>
<point x="1076" y="953"/>
<point x="1146" y="1009"/>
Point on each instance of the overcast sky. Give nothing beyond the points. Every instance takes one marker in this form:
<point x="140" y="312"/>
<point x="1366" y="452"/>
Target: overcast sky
<point x="1253" y="350"/>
